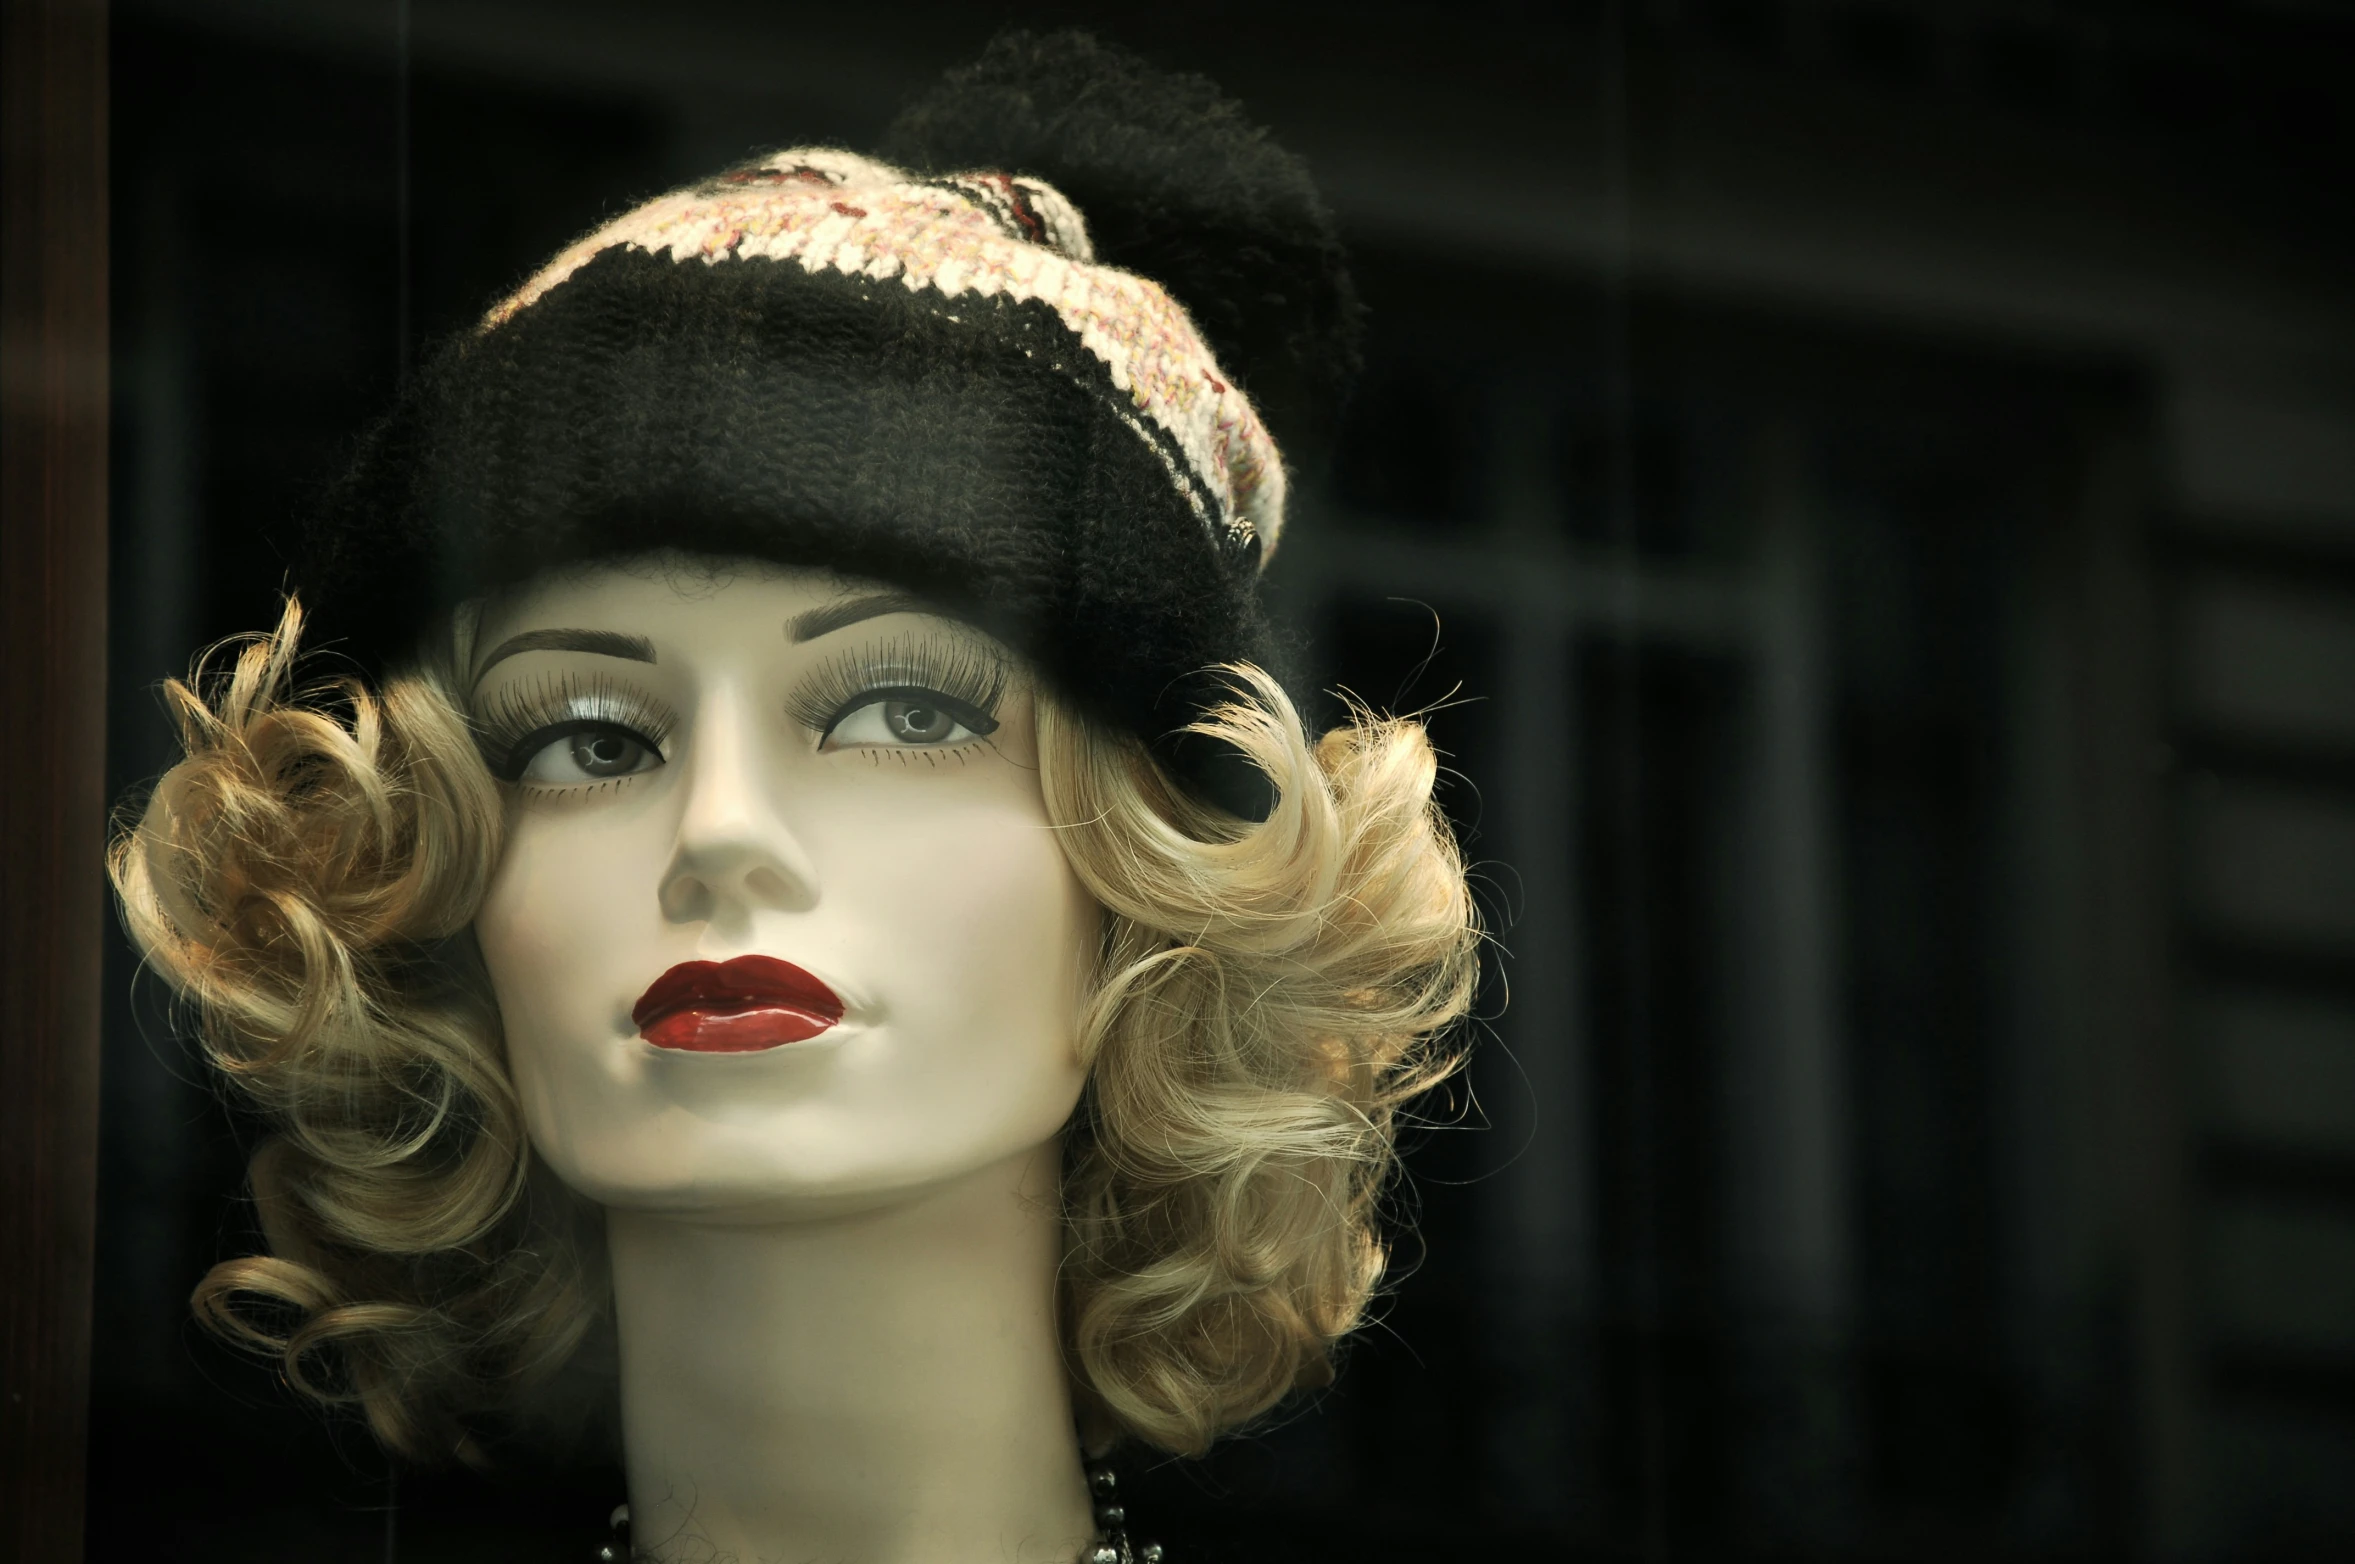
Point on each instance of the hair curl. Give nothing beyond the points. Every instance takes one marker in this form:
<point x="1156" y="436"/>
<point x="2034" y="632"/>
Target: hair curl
<point x="1269" y="995"/>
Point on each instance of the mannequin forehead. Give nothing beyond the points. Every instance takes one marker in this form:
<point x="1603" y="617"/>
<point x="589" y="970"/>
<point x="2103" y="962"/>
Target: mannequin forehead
<point x="676" y="591"/>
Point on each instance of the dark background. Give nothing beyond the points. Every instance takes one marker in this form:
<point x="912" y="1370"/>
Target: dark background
<point x="1869" y="492"/>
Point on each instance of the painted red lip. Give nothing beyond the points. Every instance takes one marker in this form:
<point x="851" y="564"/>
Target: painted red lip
<point x="734" y="1007"/>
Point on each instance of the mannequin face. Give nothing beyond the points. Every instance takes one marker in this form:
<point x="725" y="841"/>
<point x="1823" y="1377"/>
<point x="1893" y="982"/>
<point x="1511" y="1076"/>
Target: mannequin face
<point x="765" y="763"/>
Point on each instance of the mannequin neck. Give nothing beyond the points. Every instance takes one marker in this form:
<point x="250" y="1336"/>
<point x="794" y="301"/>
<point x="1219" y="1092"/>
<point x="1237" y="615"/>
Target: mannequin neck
<point x="881" y="1388"/>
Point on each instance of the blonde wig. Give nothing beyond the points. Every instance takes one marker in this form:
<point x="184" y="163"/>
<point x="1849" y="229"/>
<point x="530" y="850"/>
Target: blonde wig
<point x="1270" y="995"/>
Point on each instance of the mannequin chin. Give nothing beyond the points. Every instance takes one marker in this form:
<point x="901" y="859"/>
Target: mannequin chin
<point x="787" y="809"/>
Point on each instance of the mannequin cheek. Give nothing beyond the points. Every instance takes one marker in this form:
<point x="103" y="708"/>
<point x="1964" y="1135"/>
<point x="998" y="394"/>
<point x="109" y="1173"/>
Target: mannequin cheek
<point x="563" y="903"/>
<point x="557" y="924"/>
<point x="994" y="927"/>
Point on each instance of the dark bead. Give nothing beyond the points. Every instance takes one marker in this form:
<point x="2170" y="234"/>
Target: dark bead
<point x="1150" y="1553"/>
<point x="609" y="1554"/>
<point x="1101" y="1479"/>
<point x="1103" y="1553"/>
<point x="1110" y="1515"/>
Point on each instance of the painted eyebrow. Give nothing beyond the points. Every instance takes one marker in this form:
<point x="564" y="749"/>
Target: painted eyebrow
<point x="603" y="643"/>
<point x="812" y="623"/>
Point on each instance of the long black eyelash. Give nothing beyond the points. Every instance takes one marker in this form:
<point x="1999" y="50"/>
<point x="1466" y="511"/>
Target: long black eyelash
<point x="966" y="671"/>
<point x="522" y="711"/>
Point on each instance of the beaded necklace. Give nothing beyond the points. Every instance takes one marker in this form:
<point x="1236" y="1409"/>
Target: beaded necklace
<point x="1111" y="1545"/>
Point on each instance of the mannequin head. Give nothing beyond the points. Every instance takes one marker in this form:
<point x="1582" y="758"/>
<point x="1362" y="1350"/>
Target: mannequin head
<point x="856" y="568"/>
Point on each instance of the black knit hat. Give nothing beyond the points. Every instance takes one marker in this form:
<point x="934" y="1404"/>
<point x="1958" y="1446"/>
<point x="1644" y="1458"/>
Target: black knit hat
<point x="947" y="380"/>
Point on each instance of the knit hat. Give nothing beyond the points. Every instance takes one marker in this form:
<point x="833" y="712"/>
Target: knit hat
<point x="947" y="380"/>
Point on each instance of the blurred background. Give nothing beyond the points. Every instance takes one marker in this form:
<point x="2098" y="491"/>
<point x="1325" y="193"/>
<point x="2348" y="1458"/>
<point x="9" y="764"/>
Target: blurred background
<point x="1866" y="489"/>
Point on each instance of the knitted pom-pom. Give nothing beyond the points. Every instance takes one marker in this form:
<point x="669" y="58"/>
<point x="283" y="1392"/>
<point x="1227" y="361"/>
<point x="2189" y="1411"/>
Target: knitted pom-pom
<point x="1176" y="184"/>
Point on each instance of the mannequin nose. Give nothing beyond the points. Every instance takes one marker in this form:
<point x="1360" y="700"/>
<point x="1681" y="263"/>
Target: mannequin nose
<point x="736" y="854"/>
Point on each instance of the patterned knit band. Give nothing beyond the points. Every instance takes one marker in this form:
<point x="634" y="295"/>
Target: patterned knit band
<point x="983" y="236"/>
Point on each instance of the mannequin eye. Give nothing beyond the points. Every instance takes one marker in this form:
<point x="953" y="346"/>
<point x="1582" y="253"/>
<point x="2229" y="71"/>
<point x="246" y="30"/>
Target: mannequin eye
<point x="571" y="728"/>
<point x="908" y="718"/>
<point x="583" y="752"/>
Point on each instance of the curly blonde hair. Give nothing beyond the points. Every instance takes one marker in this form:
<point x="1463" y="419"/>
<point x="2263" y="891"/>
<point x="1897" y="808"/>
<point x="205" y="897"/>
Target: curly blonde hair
<point x="1270" y="994"/>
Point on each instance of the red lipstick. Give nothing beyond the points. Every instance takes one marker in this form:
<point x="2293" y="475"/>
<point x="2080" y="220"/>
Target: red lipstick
<point x="734" y="1007"/>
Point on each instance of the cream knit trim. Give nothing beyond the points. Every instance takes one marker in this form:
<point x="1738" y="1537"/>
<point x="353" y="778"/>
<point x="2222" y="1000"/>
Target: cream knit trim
<point x="981" y="234"/>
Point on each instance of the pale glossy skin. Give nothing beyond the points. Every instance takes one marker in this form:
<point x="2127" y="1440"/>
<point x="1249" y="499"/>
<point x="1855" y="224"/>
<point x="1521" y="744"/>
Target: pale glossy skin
<point x="923" y="884"/>
<point x="833" y="1262"/>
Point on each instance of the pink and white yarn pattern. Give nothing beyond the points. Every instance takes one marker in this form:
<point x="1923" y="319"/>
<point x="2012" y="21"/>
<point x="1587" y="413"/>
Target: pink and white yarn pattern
<point x="981" y="235"/>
